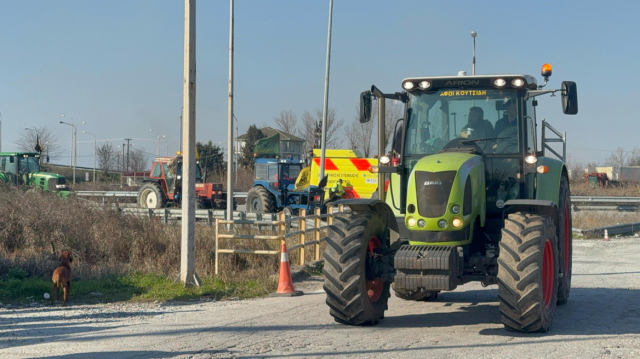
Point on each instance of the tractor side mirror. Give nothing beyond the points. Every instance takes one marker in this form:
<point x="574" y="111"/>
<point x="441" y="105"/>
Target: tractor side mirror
<point x="569" y="98"/>
<point x="365" y="107"/>
<point x="48" y="159"/>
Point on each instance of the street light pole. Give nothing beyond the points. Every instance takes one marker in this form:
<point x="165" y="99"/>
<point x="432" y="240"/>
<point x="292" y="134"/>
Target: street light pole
<point x="474" y="34"/>
<point x="95" y="143"/>
<point x="74" y="144"/>
<point x="323" y="146"/>
<point x="230" y="120"/>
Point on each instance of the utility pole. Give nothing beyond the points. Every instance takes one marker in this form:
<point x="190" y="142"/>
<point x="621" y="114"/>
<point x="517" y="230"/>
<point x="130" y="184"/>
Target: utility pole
<point x="326" y="96"/>
<point x="128" y="146"/>
<point x="122" y="175"/>
<point x="188" y="275"/>
<point x="230" y="121"/>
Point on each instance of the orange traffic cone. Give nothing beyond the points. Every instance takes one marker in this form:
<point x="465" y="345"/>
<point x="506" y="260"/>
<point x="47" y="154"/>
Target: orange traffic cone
<point x="285" y="284"/>
<point x="606" y="235"/>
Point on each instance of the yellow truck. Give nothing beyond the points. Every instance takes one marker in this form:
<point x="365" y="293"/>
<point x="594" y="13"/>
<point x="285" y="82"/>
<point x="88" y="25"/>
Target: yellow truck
<point x="348" y="165"/>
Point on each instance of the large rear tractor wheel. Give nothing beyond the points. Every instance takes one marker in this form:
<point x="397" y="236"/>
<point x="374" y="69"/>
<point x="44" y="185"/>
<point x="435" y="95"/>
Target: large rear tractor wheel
<point x="150" y="195"/>
<point x="416" y="295"/>
<point x="356" y="294"/>
<point x="565" y="241"/>
<point x="528" y="272"/>
<point x="259" y="200"/>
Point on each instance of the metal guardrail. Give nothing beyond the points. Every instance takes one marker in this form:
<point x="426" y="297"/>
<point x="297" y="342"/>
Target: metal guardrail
<point x="209" y="215"/>
<point x="283" y="223"/>
<point x="592" y="203"/>
<point x="611" y="230"/>
<point x="131" y="194"/>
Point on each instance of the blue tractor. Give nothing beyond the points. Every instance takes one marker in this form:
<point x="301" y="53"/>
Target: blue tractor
<point x="274" y="188"/>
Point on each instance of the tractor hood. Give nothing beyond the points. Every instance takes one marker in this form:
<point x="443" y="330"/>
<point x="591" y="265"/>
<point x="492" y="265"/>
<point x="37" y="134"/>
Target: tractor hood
<point x="48" y="181"/>
<point x="437" y="182"/>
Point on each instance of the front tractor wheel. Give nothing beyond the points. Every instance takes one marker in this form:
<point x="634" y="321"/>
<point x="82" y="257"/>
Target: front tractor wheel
<point x="528" y="272"/>
<point x="565" y="241"/>
<point x="150" y="195"/>
<point x="356" y="293"/>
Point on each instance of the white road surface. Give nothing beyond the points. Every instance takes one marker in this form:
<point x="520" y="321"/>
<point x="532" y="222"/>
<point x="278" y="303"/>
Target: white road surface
<point x="601" y="320"/>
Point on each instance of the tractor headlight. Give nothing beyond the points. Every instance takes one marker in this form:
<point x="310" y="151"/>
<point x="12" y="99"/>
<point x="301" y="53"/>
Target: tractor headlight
<point x="408" y="85"/>
<point x="499" y="82"/>
<point x="517" y="82"/>
<point x="385" y="160"/>
<point x="531" y="159"/>
<point x="457" y="222"/>
<point x="424" y="84"/>
<point x="422" y="223"/>
<point x="442" y="223"/>
<point x="411" y="222"/>
<point x="455" y="209"/>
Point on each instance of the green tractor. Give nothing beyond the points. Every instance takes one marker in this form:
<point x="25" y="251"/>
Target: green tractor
<point x="23" y="168"/>
<point x="467" y="200"/>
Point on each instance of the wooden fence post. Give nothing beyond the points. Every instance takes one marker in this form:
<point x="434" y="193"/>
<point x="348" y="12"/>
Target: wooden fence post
<point x="316" y="234"/>
<point x="282" y="227"/>
<point x="302" y="226"/>
<point x="216" y="253"/>
<point x="166" y="216"/>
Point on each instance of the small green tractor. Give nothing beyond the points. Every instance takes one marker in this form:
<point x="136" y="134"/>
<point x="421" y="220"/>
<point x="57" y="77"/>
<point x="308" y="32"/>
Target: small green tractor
<point x="481" y="201"/>
<point x="23" y="168"/>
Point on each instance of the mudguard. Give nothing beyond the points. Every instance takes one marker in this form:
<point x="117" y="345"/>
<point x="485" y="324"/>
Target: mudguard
<point x="376" y="206"/>
<point x="538" y="206"/>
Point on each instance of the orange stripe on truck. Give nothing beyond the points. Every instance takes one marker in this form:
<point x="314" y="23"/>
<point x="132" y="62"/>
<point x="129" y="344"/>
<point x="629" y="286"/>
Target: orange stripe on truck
<point x="361" y="164"/>
<point x="328" y="164"/>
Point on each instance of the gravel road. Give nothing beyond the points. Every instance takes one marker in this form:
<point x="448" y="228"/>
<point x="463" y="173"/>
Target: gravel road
<point x="602" y="319"/>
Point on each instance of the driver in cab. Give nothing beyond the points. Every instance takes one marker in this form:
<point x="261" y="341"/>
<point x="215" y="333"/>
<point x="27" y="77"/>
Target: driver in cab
<point x="478" y="128"/>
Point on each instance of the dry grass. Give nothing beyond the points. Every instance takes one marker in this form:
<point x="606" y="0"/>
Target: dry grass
<point x="595" y="219"/>
<point x="35" y="227"/>
<point x="624" y="189"/>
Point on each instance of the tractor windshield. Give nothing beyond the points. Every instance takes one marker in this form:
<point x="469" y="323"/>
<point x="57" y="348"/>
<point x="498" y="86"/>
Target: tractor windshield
<point x="29" y="165"/>
<point x="437" y="117"/>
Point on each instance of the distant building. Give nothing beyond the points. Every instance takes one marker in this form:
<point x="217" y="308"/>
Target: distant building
<point x="290" y="145"/>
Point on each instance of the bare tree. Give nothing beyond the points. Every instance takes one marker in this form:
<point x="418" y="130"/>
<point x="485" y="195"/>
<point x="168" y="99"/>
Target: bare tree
<point x="618" y="158"/>
<point x="287" y="122"/>
<point x="360" y="135"/>
<point x="27" y="141"/>
<point x="311" y="122"/>
<point x="107" y="157"/>
<point x="138" y="160"/>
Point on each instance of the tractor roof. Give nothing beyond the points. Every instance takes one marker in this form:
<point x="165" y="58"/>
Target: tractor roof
<point x="472" y="81"/>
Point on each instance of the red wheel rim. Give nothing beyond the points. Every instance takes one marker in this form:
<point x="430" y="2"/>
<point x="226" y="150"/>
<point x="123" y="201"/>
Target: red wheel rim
<point x="547" y="274"/>
<point x="374" y="287"/>
<point x="567" y="239"/>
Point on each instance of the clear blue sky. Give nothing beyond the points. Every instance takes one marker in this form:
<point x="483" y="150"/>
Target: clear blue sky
<point x="118" y="65"/>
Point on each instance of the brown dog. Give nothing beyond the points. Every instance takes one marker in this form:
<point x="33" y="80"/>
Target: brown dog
<point x="62" y="277"/>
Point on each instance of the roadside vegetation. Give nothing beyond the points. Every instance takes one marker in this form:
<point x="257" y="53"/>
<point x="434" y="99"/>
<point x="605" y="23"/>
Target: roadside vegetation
<point x="119" y="256"/>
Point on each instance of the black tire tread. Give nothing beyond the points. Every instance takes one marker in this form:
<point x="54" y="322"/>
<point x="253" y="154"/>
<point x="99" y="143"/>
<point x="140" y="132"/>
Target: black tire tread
<point x="564" y="283"/>
<point x="520" y="272"/>
<point x="345" y="282"/>
<point x="267" y="199"/>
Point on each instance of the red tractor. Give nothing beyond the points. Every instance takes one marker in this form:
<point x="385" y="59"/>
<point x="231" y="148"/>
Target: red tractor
<point x="164" y="187"/>
<point x="596" y="179"/>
